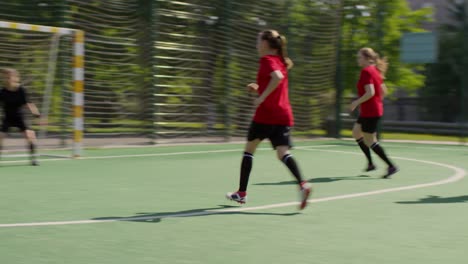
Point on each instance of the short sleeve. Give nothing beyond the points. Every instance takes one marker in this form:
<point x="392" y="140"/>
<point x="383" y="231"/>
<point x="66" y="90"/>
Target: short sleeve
<point x="366" y="77"/>
<point x="24" y="96"/>
<point x="270" y="65"/>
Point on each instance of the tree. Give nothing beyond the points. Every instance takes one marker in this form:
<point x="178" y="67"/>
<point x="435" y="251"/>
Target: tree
<point x="443" y="87"/>
<point x="380" y="25"/>
<point x="178" y="64"/>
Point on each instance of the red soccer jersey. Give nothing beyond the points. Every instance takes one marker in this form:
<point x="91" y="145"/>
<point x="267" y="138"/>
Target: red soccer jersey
<point x="276" y="109"/>
<point x="374" y="106"/>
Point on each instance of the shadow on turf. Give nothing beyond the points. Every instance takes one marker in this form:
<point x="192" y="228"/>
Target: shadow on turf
<point x="5" y="165"/>
<point x="438" y="199"/>
<point x="157" y="217"/>
<point x="323" y="180"/>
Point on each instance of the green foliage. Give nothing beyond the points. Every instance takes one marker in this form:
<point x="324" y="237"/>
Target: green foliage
<point x="444" y="77"/>
<point x="380" y="25"/>
<point x="192" y="57"/>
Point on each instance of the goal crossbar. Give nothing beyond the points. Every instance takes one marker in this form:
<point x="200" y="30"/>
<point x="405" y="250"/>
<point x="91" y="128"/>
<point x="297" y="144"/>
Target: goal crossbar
<point x="78" y="73"/>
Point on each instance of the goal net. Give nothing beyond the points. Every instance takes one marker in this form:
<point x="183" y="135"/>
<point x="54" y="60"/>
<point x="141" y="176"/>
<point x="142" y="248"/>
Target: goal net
<point x="50" y="63"/>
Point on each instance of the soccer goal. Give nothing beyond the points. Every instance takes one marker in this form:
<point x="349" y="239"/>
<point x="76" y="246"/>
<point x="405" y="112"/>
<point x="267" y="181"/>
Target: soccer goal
<point x="50" y="61"/>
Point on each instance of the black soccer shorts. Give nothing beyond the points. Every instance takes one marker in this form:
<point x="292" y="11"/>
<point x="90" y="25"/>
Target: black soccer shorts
<point x="279" y="135"/>
<point x="368" y="124"/>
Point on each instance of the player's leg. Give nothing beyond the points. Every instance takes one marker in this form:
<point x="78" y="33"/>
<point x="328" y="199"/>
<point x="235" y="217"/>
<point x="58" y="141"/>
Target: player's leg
<point x="254" y="138"/>
<point x="281" y="141"/>
<point x="2" y="136"/>
<point x="359" y="137"/>
<point x="370" y="138"/>
<point x="284" y="155"/>
<point x="247" y="162"/>
<point x="30" y="136"/>
<point x="3" y="132"/>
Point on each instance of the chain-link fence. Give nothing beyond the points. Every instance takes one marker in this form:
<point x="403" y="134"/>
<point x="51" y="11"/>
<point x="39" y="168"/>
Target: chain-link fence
<point x="159" y="70"/>
<point x="162" y="69"/>
<point x="427" y="98"/>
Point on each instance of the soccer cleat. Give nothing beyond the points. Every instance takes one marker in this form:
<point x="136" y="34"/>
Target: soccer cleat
<point x="370" y="167"/>
<point x="34" y="163"/>
<point x="240" y="197"/>
<point x="306" y="190"/>
<point x="390" y="171"/>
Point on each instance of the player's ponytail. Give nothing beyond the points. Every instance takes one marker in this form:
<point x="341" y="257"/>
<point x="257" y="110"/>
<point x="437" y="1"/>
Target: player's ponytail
<point x="373" y="57"/>
<point x="382" y="65"/>
<point x="278" y="42"/>
<point x="283" y="51"/>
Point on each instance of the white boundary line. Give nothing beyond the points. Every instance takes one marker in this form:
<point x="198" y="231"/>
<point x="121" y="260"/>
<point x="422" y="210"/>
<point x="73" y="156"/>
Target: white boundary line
<point x="461" y="148"/>
<point x="160" y="154"/>
<point x="198" y="152"/>
<point x="458" y="175"/>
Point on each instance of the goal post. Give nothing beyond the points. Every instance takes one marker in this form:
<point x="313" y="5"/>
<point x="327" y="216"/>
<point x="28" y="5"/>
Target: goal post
<point x="77" y="74"/>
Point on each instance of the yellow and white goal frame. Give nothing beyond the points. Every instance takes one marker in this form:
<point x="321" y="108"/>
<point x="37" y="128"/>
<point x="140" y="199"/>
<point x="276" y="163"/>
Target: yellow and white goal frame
<point x="78" y="74"/>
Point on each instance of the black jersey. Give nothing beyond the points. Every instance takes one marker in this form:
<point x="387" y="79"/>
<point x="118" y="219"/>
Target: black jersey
<point x="13" y="102"/>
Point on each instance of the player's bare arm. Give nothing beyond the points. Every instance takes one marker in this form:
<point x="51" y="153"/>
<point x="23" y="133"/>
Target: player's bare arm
<point x="370" y="91"/>
<point x="276" y="78"/>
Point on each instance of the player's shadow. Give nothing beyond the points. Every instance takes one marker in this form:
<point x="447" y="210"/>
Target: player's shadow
<point x="146" y="217"/>
<point x="5" y="165"/>
<point x="322" y="180"/>
<point x="438" y="199"/>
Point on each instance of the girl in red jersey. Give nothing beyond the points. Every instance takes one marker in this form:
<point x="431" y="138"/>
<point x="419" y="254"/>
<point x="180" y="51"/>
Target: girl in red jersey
<point x="371" y="91"/>
<point x="273" y="117"/>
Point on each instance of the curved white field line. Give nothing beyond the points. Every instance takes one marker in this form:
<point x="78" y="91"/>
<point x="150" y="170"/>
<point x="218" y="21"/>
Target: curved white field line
<point x="459" y="174"/>
<point x="153" y="154"/>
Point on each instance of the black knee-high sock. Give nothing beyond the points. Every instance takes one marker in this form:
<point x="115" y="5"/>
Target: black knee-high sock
<point x="381" y="153"/>
<point x="289" y="161"/>
<point x="246" y="167"/>
<point x="365" y="149"/>
<point x="32" y="150"/>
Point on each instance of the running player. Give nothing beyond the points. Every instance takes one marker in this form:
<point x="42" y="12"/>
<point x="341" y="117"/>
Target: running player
<point x="371" y="91"/>
<point x="273" y="117"/>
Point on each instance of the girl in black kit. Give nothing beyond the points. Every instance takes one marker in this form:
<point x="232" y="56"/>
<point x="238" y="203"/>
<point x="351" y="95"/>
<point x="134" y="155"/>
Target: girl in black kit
<point x="13" y="98"/>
